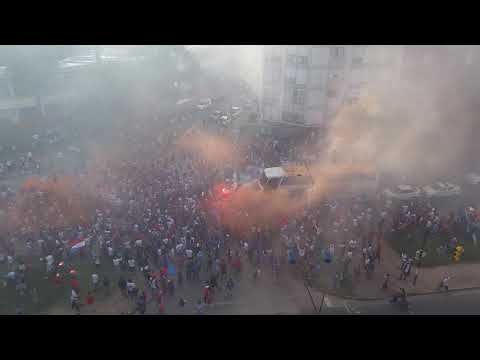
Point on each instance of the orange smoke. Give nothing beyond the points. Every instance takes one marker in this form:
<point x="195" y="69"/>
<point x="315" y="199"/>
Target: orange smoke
<point x="212" y="148"/>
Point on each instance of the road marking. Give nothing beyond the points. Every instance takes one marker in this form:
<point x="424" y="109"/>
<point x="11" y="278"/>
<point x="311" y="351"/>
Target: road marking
<point x="224" y="303"/>
<point x="350" y="310"/>
<point x="327" y="302"/>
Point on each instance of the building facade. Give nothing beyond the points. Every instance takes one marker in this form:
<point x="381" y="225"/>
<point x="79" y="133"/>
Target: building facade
<point x="307" y="85"/>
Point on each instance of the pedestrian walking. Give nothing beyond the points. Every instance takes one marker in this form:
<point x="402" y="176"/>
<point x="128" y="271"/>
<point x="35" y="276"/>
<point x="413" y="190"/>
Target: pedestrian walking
<point x="182" y="302"/>
<point x="74" y="300"/>
<point x="122" y="285"/>
<point x="180" y="277"/>
<point x="199" y="308"/>
<point x="89" y="300"/>
<point x="415" y="277"/>
<point x="385" y="281"/>
<point x="95" y="280"/>
<point x="106" y="284"/>
<point x="444" y="283"/>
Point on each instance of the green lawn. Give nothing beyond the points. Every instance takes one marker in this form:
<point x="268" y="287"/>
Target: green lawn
<point x="400" y="242"/>
<point x="51" y="294"/>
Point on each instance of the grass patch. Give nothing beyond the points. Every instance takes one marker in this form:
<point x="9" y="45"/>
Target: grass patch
<point x="51" y="294"/>
<point x="400" y="242"/>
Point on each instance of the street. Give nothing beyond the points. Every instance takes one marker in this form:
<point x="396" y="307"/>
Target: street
<point x="463" y="302"/>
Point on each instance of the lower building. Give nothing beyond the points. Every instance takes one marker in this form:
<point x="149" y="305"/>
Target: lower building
<point x="307" y="85"/>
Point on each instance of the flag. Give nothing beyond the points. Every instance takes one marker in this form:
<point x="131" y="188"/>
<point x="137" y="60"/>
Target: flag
<point x="77" y="244"/>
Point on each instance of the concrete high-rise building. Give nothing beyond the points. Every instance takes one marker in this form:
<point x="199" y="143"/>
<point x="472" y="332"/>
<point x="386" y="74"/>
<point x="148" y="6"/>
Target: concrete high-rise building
<point x="306" y="85"/>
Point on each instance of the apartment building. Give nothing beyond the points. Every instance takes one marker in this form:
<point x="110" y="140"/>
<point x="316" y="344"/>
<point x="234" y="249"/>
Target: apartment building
<point x="307" y="85"/>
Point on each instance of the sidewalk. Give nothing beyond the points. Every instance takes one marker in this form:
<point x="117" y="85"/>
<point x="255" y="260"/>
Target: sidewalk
<point x="462" y="276"/>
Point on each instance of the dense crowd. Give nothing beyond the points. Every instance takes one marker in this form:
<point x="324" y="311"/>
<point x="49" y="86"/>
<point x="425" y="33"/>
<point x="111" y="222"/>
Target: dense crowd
<point x="150" y="212"/>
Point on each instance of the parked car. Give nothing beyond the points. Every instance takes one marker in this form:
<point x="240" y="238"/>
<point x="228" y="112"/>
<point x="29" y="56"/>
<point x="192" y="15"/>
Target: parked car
<point x="204" y="104"/>
<point x="74" y="149"/>
<point x="472" y="178"/>
<point x="225" y="120"/>
<point x="441" y="189"/>
<point x="402" y="192"/>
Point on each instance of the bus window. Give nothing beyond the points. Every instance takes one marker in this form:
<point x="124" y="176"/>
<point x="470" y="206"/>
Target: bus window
<point x="269" y="183"/>
<point x="297" y="181"/>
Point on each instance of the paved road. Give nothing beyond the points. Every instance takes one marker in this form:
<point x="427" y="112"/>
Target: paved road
<point x="466" y="302"/>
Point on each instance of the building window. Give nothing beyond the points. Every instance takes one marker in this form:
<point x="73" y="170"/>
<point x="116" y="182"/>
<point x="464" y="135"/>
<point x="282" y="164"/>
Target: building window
<point x="293" y="117"/>
<point x="316" y="78"/>
<point x="276" y="76"/>
<point x="331" y="93"/>
<point x="339" y="52"/>
<point x="357" y="61"/>
<point x="302" y="60"/>
<point x="291" y="60"/>
<point x="299" y="96"/>
<point x="290" y="74"/>
<point x="273" y="58"/>
<point x="301" y="77"/>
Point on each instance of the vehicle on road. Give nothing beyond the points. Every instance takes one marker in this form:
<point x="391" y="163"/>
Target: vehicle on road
<point x="225" y="120"/>
<point x="441" y="189"/>
<point x="472" y="178"/>
<point x="183" y="101"/>
<point x="294" y="179"/>
<point x="403" y="192"/>
<point x="74" y="149"/>
<point x="204" y="104"/>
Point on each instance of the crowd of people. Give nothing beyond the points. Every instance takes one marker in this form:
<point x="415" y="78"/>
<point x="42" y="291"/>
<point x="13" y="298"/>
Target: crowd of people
<point x="149" y="212"/>
<point x="23" y="164"/>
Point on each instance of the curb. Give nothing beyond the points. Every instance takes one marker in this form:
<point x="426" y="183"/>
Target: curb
<point x="360" y="298"/>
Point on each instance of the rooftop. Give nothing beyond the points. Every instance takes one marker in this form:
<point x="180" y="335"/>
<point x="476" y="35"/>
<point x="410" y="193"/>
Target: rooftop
<point x="274" y="172"/>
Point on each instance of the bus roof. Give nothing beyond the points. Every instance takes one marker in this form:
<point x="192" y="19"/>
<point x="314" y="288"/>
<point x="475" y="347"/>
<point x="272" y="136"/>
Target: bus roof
<point x="293" y="170"/>
<point x="283" y="171"/>
<point x="274" y="172"/>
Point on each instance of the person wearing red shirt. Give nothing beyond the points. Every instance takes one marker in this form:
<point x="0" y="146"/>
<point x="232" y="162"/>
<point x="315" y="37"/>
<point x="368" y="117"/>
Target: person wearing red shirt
<point x="161" y="309"/>
<point x="90" y="299"/>
<point x="74" y="284"/>
<point x="206" y="294"/>
<point x="58" y="279"/>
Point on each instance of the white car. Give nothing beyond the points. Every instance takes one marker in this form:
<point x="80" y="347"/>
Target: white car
<point x="441" y="189"/>
<point x="204" y="104"/>
<point x="402" y="192"/>
<point x="225" y="120"/>
<point x="472" y="178"/>
<point x="73" y="149"/>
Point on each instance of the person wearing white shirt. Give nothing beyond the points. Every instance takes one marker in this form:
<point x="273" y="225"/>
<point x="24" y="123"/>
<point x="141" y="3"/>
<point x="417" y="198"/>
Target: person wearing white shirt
<point x="131" y="264"/>
<point x="95" y="281"/>
<point x="49" y="259"/>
